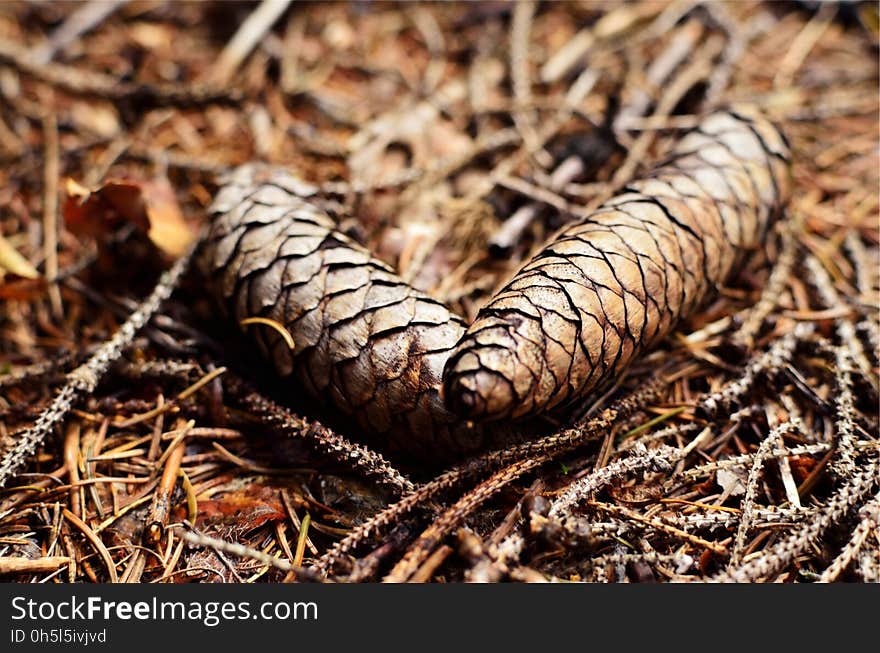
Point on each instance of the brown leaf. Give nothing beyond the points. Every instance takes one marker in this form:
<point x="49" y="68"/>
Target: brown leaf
<point x="150" y="205"/>
<point x="25" y="290"/>
<point x="639" y="494"/>
<point x="247" y="508"/>
<point x="801" y="467"/>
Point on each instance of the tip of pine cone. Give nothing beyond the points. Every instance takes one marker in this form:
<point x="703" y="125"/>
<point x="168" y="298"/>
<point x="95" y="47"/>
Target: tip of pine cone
<point x="480" y="395"/>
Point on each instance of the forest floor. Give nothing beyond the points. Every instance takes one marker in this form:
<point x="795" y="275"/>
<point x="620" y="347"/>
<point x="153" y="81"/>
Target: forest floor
<point x="744" y="448"/>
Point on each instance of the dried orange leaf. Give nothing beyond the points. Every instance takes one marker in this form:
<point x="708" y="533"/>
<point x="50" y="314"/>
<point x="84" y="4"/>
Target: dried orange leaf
<point x="168" y="230"/>
<point x="25" y="290"/>
<point x="151" y="206"/>
<point x="93" y="212"/>
<point x="247" y="508"/>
